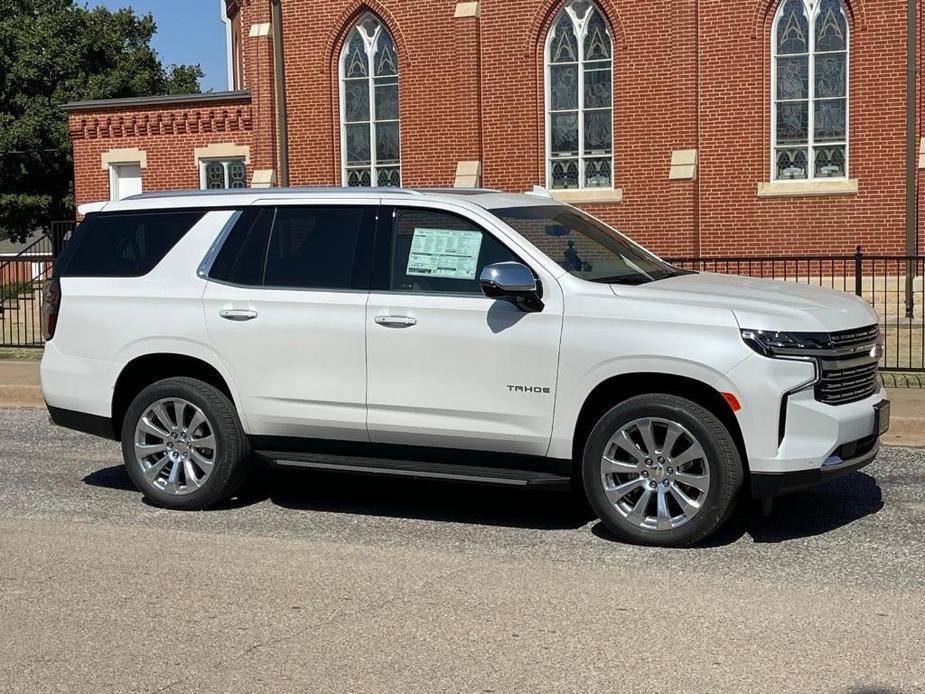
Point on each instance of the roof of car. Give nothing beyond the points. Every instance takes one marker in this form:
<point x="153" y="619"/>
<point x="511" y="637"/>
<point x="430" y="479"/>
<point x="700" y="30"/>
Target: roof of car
<point x="483" y="197"/>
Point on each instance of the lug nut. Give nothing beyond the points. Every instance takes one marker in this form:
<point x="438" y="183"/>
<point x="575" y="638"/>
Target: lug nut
<point x="648" y="461"/>
<point x="653" y="484"/>
<point x="666" y="482"/>
<point x="645" y="473"/>
<point x="661" y="459"/>
<point x="670" y="471"/>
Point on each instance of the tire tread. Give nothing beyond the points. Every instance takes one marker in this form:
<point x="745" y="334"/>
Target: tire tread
<point x="728" y="457"/>
<point x="230" y="473"/>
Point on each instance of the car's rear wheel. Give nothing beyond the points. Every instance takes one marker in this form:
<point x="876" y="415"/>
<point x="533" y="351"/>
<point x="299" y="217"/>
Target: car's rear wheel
<point x="183" y="444"/>
<point x="661" y="470"/>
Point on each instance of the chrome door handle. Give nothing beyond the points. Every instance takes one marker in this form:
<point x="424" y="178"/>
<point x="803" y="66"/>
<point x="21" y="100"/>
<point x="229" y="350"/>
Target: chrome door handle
<point x="396" y="321"/>
<point x="238" y="315"/>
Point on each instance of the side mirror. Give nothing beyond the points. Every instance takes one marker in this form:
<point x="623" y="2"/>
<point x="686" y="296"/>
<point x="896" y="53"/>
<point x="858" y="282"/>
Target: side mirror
<point x="512" y="282"/>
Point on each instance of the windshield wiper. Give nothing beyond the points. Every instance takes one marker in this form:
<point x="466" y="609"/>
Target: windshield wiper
<point x="675" y="272"/>
<point x="633" y="280"/>
<point x="637" y="278"/>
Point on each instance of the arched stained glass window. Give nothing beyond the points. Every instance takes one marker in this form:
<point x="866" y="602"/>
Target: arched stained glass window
<point x="579" y="99"/>
<point x="370" y="138"/>
<point x="809" y="117"/>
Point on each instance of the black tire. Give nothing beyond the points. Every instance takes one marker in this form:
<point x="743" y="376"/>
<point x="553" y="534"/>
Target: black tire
<point x="726" y="471"/>
<point x="231" y="454"/>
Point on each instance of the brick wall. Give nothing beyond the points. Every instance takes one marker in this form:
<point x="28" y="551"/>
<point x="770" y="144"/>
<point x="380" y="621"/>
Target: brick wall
<point x="438" y="87"/>
<point x="168" y="135"/>
<point x="688" y="74"/>
<point x="734" y="126"/>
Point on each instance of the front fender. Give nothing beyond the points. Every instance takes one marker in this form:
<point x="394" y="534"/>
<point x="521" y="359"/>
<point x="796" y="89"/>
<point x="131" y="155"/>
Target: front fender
<point x="570" y="404"/>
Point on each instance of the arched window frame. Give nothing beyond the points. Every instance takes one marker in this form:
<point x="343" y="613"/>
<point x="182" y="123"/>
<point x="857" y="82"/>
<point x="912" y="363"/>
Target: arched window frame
<point x="580" y="26"/>
<point x="812" y="10"/>
<point x="371" y="41"/>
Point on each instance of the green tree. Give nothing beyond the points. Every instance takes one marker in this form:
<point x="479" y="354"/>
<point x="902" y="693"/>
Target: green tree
<point x="52" y="52"/>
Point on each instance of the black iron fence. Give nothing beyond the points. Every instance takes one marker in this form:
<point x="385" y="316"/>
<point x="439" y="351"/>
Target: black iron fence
<point x="23" y="271"/>
<point x="892" y="285"/>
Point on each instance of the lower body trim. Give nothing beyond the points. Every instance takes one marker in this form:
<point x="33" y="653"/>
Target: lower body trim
<point x="82" y="422"/>
<point x="769" y="484"/>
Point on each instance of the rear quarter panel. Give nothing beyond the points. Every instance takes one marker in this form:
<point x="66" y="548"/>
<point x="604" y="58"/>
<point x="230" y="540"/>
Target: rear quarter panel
<point x="106" y="322"/>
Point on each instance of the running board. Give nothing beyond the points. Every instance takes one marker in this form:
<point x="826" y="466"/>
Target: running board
<point x="507" y="477"/>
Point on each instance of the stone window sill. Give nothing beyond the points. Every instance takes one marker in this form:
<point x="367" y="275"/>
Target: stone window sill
<point x="588" y="195"/>
<point x="782" y="189"/>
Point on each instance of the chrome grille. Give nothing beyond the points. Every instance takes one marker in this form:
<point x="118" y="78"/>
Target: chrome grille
<point x="840" y="384"/>
<point x="859" y="337"/>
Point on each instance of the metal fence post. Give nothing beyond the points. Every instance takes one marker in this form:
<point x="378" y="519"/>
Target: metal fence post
<point x="58" y="230"/>
<point x="858" y="269"/>
<point x="910" y="288"/>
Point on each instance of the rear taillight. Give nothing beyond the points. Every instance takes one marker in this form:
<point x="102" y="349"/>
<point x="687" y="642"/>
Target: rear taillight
<point x="51" y="305"/>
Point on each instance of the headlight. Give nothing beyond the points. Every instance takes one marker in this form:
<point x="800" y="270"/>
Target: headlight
<point x="771" y="343"/>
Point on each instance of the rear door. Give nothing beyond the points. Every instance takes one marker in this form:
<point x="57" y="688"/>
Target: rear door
<point x="286" y="309"/>
<point x="447" y="366"/>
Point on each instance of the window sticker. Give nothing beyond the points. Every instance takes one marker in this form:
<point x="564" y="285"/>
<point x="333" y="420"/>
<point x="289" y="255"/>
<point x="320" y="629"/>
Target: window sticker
<point x="447" y="253"/>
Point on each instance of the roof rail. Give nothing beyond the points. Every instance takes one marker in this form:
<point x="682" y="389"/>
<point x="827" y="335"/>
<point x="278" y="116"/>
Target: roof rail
<point x="457" y="191"/>
<point x="269" y="192"/>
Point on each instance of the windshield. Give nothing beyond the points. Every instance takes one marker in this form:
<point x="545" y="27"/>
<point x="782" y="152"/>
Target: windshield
<point x="584" y="246"/>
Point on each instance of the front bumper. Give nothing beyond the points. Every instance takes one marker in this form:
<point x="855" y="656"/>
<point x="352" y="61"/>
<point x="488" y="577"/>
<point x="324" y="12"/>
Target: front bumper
<point x="770" y="484"/>
<point x="791" y="438"/>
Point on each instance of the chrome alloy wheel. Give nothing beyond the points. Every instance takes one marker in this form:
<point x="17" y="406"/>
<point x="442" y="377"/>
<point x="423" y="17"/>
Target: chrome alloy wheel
<point x="175" y="446"/>
<point x="655" y="473"/>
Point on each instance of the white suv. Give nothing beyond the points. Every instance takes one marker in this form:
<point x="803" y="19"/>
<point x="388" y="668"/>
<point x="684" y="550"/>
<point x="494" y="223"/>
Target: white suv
<point x="467" y="335"/>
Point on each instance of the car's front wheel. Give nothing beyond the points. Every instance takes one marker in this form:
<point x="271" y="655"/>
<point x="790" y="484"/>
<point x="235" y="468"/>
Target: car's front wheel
<point x="183" y="444"/>
<point x="661" y="470"/>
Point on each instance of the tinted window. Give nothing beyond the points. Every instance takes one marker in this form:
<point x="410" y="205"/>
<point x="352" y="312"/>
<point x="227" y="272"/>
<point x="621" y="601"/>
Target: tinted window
<point x="315" y="247"/>
<point x="71" y="243"/>
<point x="439" y="252"/>
<point x="126" y="244"/>
<point x="244" y="253"/>
<point x="585" y="246"/>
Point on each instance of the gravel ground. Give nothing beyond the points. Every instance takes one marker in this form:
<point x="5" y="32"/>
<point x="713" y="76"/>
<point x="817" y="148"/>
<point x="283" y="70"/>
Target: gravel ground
<point x="335" y="583"/>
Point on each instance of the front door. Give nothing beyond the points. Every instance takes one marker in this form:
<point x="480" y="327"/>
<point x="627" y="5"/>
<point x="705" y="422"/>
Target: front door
<point x="447" y="366"/>
<point x="286" y="310"/>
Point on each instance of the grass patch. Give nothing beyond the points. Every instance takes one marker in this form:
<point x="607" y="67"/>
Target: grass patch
<point x="10" y="293"/>
<point x="904" y="345"/>
<point x="20" y="354"/>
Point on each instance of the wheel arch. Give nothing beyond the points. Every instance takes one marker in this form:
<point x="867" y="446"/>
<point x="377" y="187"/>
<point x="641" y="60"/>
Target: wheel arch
<point x="617" y="389"/>
<point x="146" y="369"/>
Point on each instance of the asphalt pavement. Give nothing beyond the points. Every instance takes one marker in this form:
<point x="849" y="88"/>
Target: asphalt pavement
<point x="316" y="582"/>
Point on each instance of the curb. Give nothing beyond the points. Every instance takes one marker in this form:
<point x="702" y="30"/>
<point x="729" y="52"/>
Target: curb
<point x="905" y="431"/>
<point x="21" y="396"/>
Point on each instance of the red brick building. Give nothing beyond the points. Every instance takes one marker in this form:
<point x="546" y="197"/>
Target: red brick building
<point x="706" y="127"/>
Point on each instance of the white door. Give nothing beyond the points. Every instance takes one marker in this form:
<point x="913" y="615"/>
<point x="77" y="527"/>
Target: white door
<point x="124" y="180"/>
<point x="286" y="318"/>
<point x="448" y="367"/>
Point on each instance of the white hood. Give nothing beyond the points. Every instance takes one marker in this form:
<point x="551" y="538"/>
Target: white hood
<point x="763" y="304"/>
